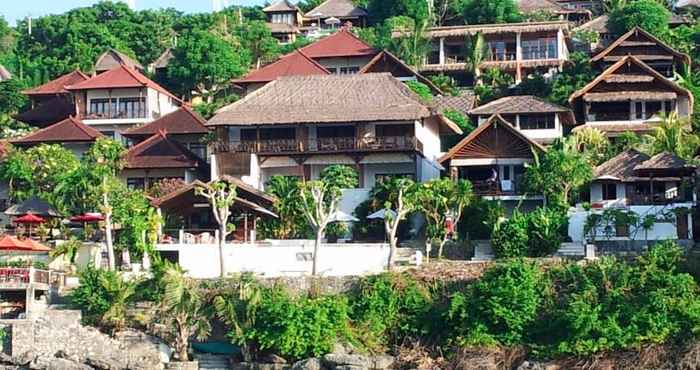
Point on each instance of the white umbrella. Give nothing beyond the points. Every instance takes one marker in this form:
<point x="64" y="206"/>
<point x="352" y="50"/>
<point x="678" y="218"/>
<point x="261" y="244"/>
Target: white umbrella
<point x="381" y="214"/>
<point x="340" y="216"/>
<point x="332" y="20"/>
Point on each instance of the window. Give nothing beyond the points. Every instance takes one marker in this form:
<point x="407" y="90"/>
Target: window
<point x="101" y="108"/>
<point x="639" y="110"/>
<point x="609" y="191"/>
<point x="136" y="183"/>
<point x="109" y="134"/>
<point x="199" y="149"/>
<point x="332" y="70"/>
<point x="545" y="48"/>
<point x="537" y="122"/>
<point x="132" y="107"/>
<point x="394" y="130"/>
<point x="287" y="18"/>
<point x="383" y="177"/>
<point x="349" y="70"/>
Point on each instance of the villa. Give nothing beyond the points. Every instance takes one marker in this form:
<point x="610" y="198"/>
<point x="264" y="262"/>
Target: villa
<point x="51" y="102"/>
<point x="518" y="49"/>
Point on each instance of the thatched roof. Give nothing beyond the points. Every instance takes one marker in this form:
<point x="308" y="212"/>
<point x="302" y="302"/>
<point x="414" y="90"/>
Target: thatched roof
<point x="616" y="129"/>
<point x="280" y="6"/>
<point x="385" y="61"/>
<point x="325" y="99"/>
<point x="664" y="161"/>
<point x="620" y="167"/>
<point x="629" y="95"/>
<point x="631" y="39"/>
<point x="112" y="58"/>
<point x="518" y="104"/>
<point x="494" y="29"/>
<point x="340" y="9"/>
<point x="662" y="88"/>
<point x="628" y="78"/>
<point x="496" y="138"/>
<point x="462" y="103"/>
<point x="530" y="6"/>
<point x="598" y="25"/>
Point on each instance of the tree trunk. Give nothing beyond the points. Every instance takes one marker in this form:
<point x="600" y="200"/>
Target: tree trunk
<point x="108" y="232"/>
<point x="442" y="245"/>
<point x="428" y="248"/>
<point x="222" y="241"/>
<point x="317" y="247"/>
<point x="392" y="254"/>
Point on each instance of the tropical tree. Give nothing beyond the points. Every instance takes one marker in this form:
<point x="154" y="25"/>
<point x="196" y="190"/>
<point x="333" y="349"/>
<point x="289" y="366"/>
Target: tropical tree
<point x="207" y="62"/>
<point x="401" y="202"/>
<point x="256" y="37"/>
<point x="558" y="172"/>
<point x="673" y="135"/>
<point x="183" y="310"/>
<point x="69" y="249"/>
<point x="236" y="307"/>
<point x="120" y="292"/>
<point x="575" y="75"/>
<point x="319" y="203"/>
<point x="649" y="15"/>
<point x="593" y="143"/>
<point x="476" y="53"/>
<point x="489" y="12"/>
<point x="221" y="195"/>
<point x="440" y="199"/>
<point x="291" y="222"/>
<point x="412" y="46"/>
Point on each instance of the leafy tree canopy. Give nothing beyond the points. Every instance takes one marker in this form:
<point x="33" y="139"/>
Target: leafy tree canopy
<point x="649" y="15"/>
<point x="489" y="11"/>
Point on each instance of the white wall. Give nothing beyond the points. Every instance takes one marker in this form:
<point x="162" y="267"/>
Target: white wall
<point x="372" y="170"/>
<point x="294" y="258"/>
<point x="660" y="230"/>
<point x="428" y="132"/>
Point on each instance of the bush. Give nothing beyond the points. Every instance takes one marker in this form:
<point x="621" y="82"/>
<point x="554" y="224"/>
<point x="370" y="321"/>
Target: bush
<point x="612" y="305"/>
<point x="510" y="236"/>
<point x="649" y="15"/>
<point x="103" y="296"/>
<point x="300" y="327"/>
<point x="421" y="89"/>
<point x="500" y="307"/>
<point x="388" y="308"/>
<point x="535" y="234"/>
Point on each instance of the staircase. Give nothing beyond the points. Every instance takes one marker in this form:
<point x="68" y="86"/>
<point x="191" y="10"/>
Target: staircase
<point x="213" y="362"/>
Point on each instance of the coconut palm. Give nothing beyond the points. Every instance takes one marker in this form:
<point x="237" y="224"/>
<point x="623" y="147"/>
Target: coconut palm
<point x="121" y="292"/>
<point x="182" y="309"/>
<point x="237" y="308"/>
<point x="593" y="143"/>
<point x="673" y="135"/>
<point x="476" y="52"/>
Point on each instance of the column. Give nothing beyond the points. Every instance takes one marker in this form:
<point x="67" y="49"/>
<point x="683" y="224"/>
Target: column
<point x="518" y="57"/>
<point x="442" y="50"/>
<point x="560" y="45"/>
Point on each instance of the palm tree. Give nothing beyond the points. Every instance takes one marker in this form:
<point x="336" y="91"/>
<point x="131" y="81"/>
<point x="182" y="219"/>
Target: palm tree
<point x="182" y="309"/>
<point x="673" y="135"/>
<point x="121" y="292"/>
<point x="593" y="143"/>
<point x="237" y="310"/>
<point x="476" y="52"/>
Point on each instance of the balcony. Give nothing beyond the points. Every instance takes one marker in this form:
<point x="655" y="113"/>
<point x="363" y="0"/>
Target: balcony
<point x="322" y="145"/>
<point x="116" y="115"/>
<point x="21" y="278"/>
<point x="658" y="199"/>
<point x="497" y="188"/>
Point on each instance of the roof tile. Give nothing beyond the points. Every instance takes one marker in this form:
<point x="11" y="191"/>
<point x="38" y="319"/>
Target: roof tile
<point x="68" y="130"/>
<point x="58" y="85"/>
<point x="296" y="63"/>
<point x="343" y="43"/>
<point x="160" y="151"/>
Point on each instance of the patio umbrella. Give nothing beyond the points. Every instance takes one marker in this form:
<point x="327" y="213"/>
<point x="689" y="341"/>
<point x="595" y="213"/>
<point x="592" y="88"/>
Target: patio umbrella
<point x="381" y="214"/>
<point x="10" y="243"/>
<point x="29" y="219"/>
<point x="340" y="216"/>
<point x="36" y="246"/>
<point x="88" y="217"/>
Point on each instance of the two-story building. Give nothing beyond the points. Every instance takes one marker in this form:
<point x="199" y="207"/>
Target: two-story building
<point x="519" y="49"/>
<point x="646" y="48"/>
<point x="536" y="118"/>
<point x="296" y="126"/>
<point x="629" y="96"/>
<point x="51" y="102"/>
<point x="119" y="99"/>
<point x="284" y="20"/>
<point x="493" y="159"/>
<point x="330" y="14"/>
<point x="656" y="190"/>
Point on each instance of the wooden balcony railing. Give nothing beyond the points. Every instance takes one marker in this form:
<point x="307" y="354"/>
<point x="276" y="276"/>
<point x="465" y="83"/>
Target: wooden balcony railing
<point x="323" y="145"/>
<point x="11" y="276"/>
<point x="656" y="199"/>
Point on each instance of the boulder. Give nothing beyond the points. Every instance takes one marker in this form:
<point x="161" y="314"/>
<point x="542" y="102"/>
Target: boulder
<point x="24" y="359"/>
<point x="336" y="361"/>
<point x="105" y="363"/>
<point x="272" y="358"/>
<point x="383" y="362"/>
<point x="532" y="365"/>
<point x="65" y="364"/>
<point x="308" y="364"/>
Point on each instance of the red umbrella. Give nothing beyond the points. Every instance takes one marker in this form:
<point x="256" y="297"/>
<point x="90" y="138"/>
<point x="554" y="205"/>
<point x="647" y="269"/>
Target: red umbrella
<point x="29" y="218"/>
<point x="10" y="243"/>
<point x="88" y="217"/>
<point x="36" y="246"/>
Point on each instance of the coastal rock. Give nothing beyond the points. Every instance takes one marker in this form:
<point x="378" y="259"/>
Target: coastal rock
<point x="383" y="362"/>
<point x="65" y="364"/>
<point x="532" y="365"/>
<point x="308" y="364"/>
<point x="341" y="361"/>
<point x="273" y="359"/>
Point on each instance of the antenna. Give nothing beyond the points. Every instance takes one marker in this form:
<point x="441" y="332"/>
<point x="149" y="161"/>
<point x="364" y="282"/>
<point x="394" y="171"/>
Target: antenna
<point x="29" y="24"/>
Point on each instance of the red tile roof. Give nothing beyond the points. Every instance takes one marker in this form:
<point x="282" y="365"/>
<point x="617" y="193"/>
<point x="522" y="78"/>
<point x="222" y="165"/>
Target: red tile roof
<point x="180" y="122"/>
<point x="120" y="77"/>
<point x="340" y="44"/>
<point x="160" y="151"/>
<point x="68" y="130"/>
<point x="296" y="63"/>
<point x="58" y="85"/>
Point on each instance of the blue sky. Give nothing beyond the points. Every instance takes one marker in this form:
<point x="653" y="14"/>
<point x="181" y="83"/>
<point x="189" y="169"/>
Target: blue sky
<point x="35" y="8"/>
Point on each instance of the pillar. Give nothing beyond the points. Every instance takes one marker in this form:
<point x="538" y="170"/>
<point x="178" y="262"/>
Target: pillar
<point x="518" y="57"/>
<point x="560" y="45"/>
<point x="442" y="50"/>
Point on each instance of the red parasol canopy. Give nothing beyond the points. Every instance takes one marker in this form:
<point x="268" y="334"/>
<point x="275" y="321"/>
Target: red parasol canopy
<point x="88" y="217"/>
<point x="35" y="245"/>
<point x="29" y="218"/>
<point x="10" y="243"/>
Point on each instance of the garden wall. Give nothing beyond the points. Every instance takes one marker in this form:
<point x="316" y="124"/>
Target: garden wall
<point x="281" y="258"/>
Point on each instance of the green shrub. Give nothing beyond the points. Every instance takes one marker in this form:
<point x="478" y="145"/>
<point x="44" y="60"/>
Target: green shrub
<point x="300" y="327"/>
<point x="421" y="89"/>
<point x="104" y="297"/>
<point x="510" y="236"/>
<point x="612" y="305"/>
<point x="499" y="307"/>
<point x="388" y="308"/>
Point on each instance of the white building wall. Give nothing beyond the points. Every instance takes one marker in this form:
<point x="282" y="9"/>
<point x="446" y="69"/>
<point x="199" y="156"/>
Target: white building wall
<point x="372" y="170"/>
<point x="428" y="132"/>
<point x="294" y="258"/>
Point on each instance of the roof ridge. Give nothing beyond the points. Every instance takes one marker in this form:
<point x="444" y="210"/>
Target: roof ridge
<point x="634" y="30"/>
